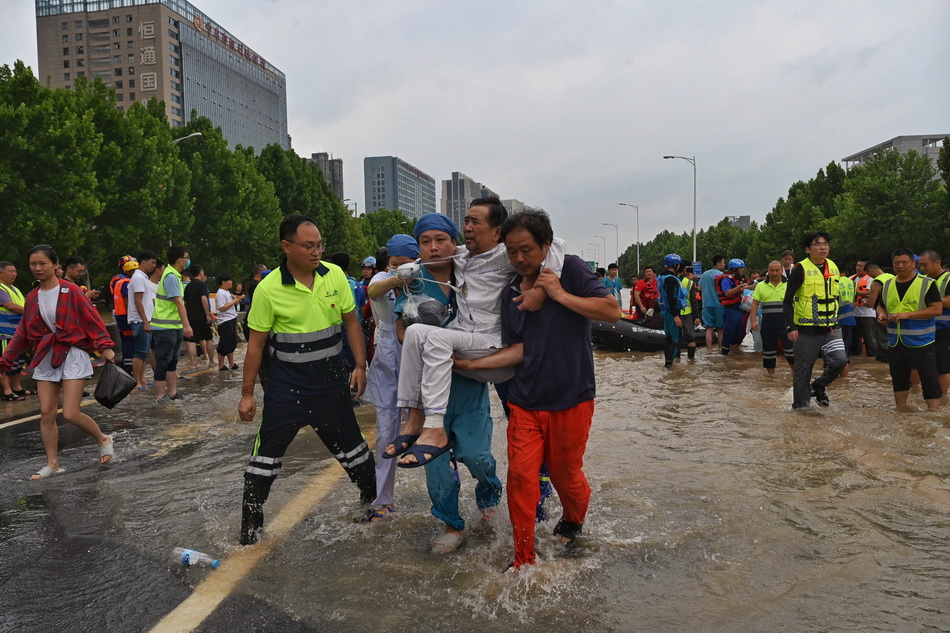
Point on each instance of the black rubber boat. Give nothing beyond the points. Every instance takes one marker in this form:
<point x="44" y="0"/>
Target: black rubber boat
<point x="629" y="335"/>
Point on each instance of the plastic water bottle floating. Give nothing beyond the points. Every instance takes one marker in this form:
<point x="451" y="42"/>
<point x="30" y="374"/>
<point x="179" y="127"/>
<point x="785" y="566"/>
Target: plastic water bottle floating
<point x="192" y="558"/>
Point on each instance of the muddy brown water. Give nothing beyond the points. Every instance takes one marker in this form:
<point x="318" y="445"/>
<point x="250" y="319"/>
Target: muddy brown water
<point x="714" y="508"/>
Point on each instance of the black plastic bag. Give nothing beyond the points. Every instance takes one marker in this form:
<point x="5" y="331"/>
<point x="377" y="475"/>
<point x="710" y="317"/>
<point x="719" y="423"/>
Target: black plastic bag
<point x="114" y="385"/>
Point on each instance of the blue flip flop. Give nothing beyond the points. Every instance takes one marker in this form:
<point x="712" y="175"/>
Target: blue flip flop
<point x="408" y="440"/>
<point x="418" y="451"/>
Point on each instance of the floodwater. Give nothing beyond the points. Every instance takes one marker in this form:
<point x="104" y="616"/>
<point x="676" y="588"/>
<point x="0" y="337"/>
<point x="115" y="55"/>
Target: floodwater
<point x="714" y="508"/>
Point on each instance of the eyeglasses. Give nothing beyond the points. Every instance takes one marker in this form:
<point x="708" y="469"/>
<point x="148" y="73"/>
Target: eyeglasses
<point x="313" y="248"/>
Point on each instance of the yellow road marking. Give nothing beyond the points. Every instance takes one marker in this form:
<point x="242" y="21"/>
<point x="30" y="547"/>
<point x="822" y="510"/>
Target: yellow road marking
<point x="221" y="582"/>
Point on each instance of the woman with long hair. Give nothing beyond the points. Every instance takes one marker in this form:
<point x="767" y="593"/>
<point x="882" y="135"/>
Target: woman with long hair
<point x="63" y="328"/>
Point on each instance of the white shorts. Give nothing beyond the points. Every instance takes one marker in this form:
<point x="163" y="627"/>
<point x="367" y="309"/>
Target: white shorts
<point x="77" y="366"/>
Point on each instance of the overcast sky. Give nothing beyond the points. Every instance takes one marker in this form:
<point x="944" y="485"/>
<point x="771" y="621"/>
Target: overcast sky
<point x="571" y="105"/>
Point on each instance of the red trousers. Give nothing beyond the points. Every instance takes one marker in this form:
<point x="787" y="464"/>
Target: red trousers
<point x="560" y="438"/>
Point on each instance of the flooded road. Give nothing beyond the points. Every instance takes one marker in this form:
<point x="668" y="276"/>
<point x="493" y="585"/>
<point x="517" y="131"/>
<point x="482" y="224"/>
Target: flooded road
<point x="714" y="508"/>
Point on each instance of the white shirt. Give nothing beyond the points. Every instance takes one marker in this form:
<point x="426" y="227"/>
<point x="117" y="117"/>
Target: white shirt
<point x="140" y="283"/>
<point x="481" y="279"/>
<point x="383" y="307"/>
<point x="221" y="298"/>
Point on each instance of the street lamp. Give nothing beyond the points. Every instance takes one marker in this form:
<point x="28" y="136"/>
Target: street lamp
<point x="617" y="230"/>
<point x="596" y="252"/>
<point x="604" y="239"/>
<point x="626" y="204"/>
<point x="192" y="135"/>
<point x="693" y="161"/>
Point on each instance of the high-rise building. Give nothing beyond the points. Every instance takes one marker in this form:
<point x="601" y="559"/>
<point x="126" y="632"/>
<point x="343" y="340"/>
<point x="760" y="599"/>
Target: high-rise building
<point x="168" y="50"/>
<point x="513" y="205"/>
<point x="392" y="183"/>
<point x="925" y="145"/>
<point x="743" y="222"/>
<point x="332" y="170"/>
<point x="458" y="192"/>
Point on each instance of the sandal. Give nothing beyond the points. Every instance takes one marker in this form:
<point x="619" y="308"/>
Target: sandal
<point x="12" y="397"/>
<point x="375" y="514"/>
<point x="24" y="392"/>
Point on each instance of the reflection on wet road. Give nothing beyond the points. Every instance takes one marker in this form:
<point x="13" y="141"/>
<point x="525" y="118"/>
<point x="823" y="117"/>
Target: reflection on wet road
<point x="714" y="508"/>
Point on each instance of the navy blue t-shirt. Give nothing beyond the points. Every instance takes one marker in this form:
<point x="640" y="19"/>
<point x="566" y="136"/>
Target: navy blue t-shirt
<point x="558" y="368"/>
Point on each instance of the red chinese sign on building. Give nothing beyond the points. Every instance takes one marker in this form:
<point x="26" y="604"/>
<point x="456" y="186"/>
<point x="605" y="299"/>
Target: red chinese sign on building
<point x="224" y="39"/>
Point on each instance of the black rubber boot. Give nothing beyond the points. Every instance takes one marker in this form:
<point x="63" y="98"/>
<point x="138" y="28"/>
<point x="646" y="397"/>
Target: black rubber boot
<point x="691" y="353"/>
<point x="252" y="510"/>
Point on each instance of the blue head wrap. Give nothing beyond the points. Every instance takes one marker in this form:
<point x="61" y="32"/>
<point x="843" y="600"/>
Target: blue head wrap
<point x="436" y="222"/>
<point x="401" y="245"/>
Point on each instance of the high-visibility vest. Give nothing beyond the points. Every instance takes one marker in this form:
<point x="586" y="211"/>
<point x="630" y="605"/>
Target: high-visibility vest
<point x="816" y="300"/>
<point x="943" y="284"/>
<point x="688" y="287"/>
<point x="165" y="316"/>
<point x="9" y="320"/>
<point x="846" y="304"/>
<point x="910" y="332"/>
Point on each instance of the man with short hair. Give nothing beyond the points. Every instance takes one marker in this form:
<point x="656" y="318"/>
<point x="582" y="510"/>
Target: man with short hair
<point x="141" y="304"/>
<point x="863" y="334"/>
<point x="769" y="295"/>
<point x="712" y="309"/>
<point x="74" y="270"/>
<point x="11" y="311"/>
<point x="645" y="294"/>
<point x="550" y="417"/>
<point x="169" y="325"/>
<point x="932" y="266"/>
<point x="811" y="316"/>
<point x="909" y="306"/>
<point x="197" y="304"/>
<point x="613" y="284"/>
<point x="297" y="319"/>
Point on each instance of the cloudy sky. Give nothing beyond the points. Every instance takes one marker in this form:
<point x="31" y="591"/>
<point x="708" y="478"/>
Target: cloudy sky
<point x="571" y="105"/>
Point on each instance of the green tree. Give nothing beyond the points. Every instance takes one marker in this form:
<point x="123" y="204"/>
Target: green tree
<point x="891" y="201"/>
<point x="48" y="152"/>
<point x="381" y="225"/>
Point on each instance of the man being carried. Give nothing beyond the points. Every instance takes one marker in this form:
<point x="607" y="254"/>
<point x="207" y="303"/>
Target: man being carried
<point x="811" y="315"/>
<point x="909" y="306"/>
<point x="426" y="368"/>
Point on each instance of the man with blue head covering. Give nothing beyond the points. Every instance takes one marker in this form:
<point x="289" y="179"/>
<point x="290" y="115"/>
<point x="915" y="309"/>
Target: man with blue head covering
<point x="383" y="377"/>
<point x="467" y="421"/>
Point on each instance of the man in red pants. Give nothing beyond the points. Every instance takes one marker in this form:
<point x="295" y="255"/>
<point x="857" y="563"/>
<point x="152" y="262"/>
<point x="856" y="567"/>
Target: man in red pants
<point x="552" y="392"/>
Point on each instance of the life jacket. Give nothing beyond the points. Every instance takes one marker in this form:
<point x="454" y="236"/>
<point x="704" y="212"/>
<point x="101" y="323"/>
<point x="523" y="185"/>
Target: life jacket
<point x="649" y="294"/>
<point x="910" y="332"/>
<point x="863" y="284"/>
<point x="120" y="302"/>
<point x="114" y="281"/>
<point x="816" y="300"/>
<point x="943" y="284"/>
<point x="9" y="319"/>
<point x="723" y="299"/>
<point x="682" y="297"/>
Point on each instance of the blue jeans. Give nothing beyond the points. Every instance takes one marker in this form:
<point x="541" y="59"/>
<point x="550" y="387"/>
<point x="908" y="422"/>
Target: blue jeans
<point x="167" y="349"/>
<point x="142" y="340"/>
<point x="468" y="423"/>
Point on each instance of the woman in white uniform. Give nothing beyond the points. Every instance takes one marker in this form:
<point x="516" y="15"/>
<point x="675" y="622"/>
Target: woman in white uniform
<point x="64" y="328"/>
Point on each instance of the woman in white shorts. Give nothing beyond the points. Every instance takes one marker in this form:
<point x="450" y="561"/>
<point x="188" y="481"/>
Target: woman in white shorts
<point x="64" y="328"/>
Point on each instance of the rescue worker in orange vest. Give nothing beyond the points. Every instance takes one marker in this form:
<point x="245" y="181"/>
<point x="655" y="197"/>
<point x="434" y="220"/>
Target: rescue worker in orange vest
<point x="120" y="303"/>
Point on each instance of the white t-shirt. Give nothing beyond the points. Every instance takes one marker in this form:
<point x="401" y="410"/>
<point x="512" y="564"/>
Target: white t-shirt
<point x="140" y="283"/>
<point x="77" y="364"/>
<point x="223" y="297"/>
